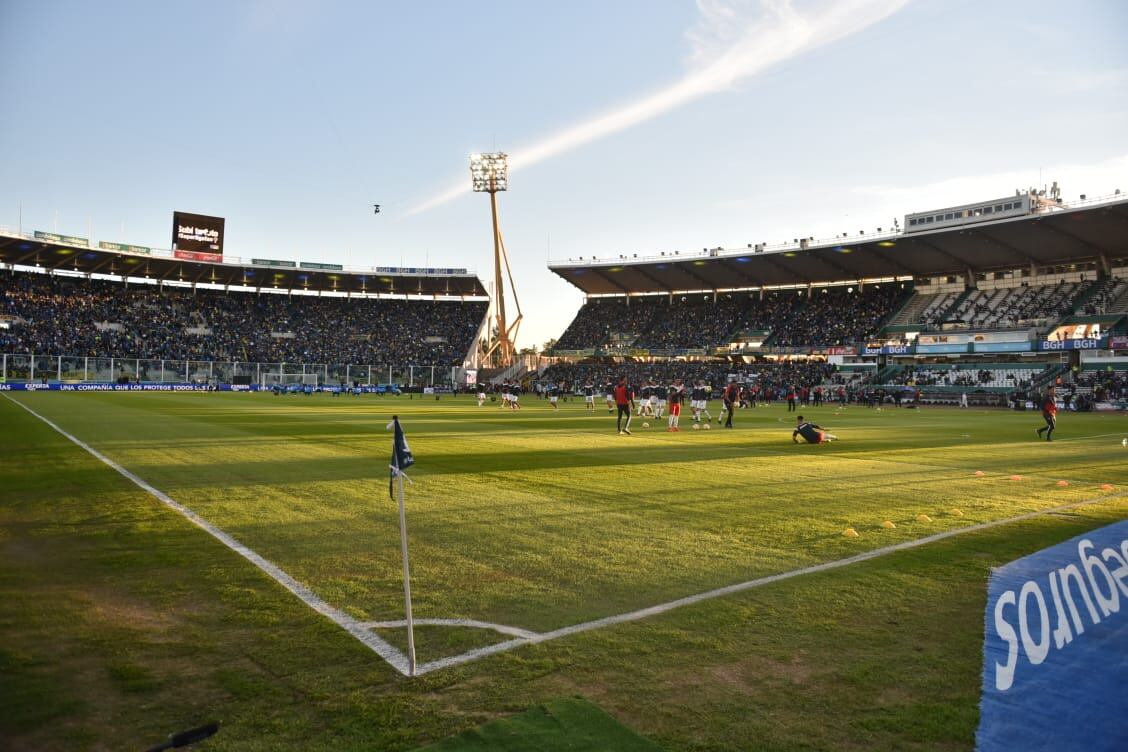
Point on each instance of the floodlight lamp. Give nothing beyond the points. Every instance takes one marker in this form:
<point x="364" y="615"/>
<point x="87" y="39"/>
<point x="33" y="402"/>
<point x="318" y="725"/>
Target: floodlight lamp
<point x="489" y="172"/>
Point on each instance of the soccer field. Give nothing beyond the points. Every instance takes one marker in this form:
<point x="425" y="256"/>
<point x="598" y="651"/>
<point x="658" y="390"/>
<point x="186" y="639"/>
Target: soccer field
<point x="532" y="525"/>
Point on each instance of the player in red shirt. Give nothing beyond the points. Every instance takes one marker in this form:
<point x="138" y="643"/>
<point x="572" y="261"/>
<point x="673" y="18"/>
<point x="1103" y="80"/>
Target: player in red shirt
<point x="1049" y="414"/>
<point x="624" y="400"/>
<point x="675" y="396"/>
<point x="729" y="397"/>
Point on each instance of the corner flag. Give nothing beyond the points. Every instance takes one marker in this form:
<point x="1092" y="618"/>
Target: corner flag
<point x="401" y="460"/>
<point x="401" y="455"/>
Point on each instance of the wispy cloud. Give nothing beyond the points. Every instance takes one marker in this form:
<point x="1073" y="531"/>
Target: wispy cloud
<point x="732" y="40"/>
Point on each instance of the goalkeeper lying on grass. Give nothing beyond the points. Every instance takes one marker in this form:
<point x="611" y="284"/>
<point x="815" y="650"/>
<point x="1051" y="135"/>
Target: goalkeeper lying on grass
<point x="812" y="433"/>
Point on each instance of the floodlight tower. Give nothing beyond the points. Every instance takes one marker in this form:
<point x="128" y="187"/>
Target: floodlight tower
<point x="489" y="174"/>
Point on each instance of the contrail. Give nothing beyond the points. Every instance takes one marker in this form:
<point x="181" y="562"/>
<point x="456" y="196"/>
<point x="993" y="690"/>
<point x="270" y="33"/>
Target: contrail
<point x="730" y="42"/>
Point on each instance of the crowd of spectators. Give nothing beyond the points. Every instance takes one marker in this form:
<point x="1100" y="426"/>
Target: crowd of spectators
<point x="1005" y="307"/>
<point x="1108" y="292"/>
<point x="1105" y="385"/>
<point x="1021" y="378"/>
<point x="772" y="379"/>
<point x="53" y="315"/>
<point x="839" y="316"/>
<point x="831" y="316"/>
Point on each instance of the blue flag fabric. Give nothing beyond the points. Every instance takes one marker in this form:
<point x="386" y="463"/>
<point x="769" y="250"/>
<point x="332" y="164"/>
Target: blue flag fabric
<point x="401" y="454"/>
<point x="1055" y="653"/>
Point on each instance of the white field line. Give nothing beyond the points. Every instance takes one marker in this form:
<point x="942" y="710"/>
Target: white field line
<point x="393" y="656"/>
<point x="662" y="608"/>
<point x="474" y="623"/>
<point x="361" y="630"/>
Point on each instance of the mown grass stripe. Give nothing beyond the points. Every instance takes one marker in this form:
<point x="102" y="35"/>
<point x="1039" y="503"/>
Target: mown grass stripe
<point x="393" y="656"/>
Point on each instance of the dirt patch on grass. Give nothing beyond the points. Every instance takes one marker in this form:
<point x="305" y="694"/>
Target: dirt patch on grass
<point x="115" y="609"/>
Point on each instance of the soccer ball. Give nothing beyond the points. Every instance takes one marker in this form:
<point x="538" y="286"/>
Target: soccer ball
<point x="696" y="426"/>
<point x="646" y="425"/>
<point x="706" y="426"/>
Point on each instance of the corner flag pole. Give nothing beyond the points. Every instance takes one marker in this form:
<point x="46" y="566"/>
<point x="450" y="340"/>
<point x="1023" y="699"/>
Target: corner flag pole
<point x="401" y="460"/>
<point x="406" y="583"/>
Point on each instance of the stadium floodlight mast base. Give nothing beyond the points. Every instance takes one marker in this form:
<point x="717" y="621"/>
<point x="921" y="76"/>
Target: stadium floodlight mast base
<point x="489" y="173"/>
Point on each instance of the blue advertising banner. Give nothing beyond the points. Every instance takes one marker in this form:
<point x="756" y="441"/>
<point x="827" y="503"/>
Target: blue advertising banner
<point x="1055" y="653"/>
<point x="896" y="349"/>
<point x="962" y="347"/>
<point x="1070" y="344"/>
<point x="107" y="386"/>
<point x="988" y="347"/>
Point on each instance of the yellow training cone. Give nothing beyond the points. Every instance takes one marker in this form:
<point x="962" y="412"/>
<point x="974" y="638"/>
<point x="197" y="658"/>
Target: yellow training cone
<point x="1063" y="483"/>
<point x="979" y="473"/>
<point x="850" y="532"/>
<point x="889" y="524"/>
<point x="957" y="513"/>
<point x="923" y="518"/>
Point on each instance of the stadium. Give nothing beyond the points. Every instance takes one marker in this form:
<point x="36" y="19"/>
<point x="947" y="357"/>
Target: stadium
<point x="855" y="490"/>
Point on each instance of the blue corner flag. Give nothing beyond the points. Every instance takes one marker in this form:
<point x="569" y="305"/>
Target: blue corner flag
<point x="401" y="454"/>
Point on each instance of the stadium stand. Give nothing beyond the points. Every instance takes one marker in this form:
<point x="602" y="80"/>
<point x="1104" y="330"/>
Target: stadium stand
<point x="774" y="378"/>
<point x="59" y="315"/>
<point x="972" y="376"/>
<point x="830" y="316"/>
<point x="1002" y="308"/>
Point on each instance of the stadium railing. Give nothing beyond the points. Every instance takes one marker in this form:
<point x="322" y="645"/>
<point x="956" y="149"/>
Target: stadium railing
<point x="22" y="368"/>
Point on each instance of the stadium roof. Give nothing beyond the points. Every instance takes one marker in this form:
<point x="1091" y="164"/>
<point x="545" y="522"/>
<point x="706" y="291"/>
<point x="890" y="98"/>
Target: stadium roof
<point x="1067" y="235"/>
<point x="52" y="252"/>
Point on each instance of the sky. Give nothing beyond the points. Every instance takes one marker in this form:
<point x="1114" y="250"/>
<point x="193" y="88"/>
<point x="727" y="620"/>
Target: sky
<point x="633" y="126"/>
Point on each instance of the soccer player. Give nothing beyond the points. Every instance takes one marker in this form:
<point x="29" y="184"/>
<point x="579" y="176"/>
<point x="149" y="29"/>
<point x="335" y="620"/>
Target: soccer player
<point x="481" y="394"/>
<point x="657" y="400"/>
<point x="963" y="399"/>
<point x="811" y="433"/>
<point x="624" y="401"/>
<point x="699" y="401"/>
<point x="1049" y="414"/>
<point x="553" y="395"/>
<point x="729" y="398"/>
<point x="514" y="395"/>
<point x="675" y="395"/>
<point x="645" y="392"/>
<point x="791" y="399"/>
<point x="610" y="392"/>
<point x="589" y="397"/>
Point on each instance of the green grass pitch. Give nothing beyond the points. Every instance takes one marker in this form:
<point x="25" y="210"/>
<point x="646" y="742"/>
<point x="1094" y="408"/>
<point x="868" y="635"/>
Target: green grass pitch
<point x="121" y="621"/>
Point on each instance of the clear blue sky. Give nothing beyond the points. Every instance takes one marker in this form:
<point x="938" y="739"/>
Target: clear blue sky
<point x="636" y="126"/>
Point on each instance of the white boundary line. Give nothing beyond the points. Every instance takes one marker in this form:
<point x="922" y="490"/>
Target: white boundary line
<point x="662" y="608"/>
<point x="353" y="626"/>
<point x="395" y="658"/>
<point x="474" y="623"/>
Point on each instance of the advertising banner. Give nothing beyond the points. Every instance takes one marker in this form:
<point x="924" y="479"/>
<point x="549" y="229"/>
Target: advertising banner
<point x="107" y="246"/>
<point x="1055" y="651"/>
<point x="274" y="262"/>
<point x="321" y="267"/>
<point x="197" y="237"/>
<point x="935" y="349"/>
<point x="64" y="239"/>
<point x="1120" y="342"/>
<point x="989" y="347"/>
<point x="1069" y="344"/>
<point x="108" y="386"/>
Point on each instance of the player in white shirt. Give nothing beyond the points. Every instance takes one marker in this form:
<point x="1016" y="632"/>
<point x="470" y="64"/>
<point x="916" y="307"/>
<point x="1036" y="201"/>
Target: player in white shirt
<point x="658" y="401"/>
<point x="589" y="397"/>
<point x="699" y="401"/>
